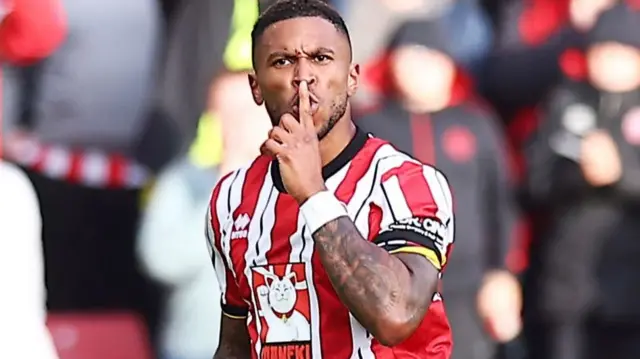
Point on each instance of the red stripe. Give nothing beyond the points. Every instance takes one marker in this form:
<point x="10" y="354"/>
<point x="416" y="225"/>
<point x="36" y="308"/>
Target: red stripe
<point x="41" y="159"/>
<point x="414" y="187"/>
<point x="357" y="169"/>
<point x="75" y="168"/>
<point x="334" y="327"/>
<point x="286" y="225"/>
<point x="422" y="139"/>
<point x="375" y="220"/>
<point x="116" y="171"/>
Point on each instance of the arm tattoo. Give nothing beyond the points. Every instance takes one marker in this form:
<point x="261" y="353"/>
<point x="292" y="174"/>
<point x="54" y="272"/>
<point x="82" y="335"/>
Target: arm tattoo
<point x="234" y="340"/>
<point x="375" y="285"/>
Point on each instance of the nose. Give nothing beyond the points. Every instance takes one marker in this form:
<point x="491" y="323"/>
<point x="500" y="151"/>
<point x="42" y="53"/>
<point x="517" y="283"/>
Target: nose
<point x="304" y="72"/>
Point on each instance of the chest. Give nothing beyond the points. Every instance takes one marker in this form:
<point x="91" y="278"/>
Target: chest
<point x="270" y="246"/>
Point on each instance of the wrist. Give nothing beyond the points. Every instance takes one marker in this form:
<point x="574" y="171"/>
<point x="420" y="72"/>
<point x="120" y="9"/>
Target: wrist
<point x="310" y="193"/>
<point x="321" y="208"/>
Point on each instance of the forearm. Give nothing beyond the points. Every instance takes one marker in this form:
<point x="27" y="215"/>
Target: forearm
<point x="234" y="340"/>
<point x="372" y="283"/>
<point x="226" y="351"/>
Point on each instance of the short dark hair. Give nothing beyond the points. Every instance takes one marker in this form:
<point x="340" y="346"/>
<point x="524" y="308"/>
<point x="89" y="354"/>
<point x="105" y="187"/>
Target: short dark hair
<point x="281" y="10"/>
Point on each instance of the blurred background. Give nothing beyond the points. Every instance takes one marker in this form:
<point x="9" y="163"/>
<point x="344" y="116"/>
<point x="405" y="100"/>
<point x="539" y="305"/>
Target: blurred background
<point x="119" y="116"/>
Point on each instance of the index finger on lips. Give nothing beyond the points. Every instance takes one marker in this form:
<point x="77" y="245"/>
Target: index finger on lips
<point x="304" y="105"/>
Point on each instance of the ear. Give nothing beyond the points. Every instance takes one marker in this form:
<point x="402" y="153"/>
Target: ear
<point x="354" y="79"/>
<point x="255" y="89"/>
<point x="292" y="275"/>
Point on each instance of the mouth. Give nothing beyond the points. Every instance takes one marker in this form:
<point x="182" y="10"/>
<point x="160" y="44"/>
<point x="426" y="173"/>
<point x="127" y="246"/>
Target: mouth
<point x="314" y="108"/>
<point x="314" y="105"/>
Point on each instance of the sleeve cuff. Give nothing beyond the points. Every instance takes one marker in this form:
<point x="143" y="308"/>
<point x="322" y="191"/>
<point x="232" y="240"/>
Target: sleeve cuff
<point x="234" y="312"/>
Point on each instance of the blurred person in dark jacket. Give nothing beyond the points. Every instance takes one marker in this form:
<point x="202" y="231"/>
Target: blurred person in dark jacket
<point x="584" y="173"/>
<point x="427" y="110"/>
<point x="83" y="109"/>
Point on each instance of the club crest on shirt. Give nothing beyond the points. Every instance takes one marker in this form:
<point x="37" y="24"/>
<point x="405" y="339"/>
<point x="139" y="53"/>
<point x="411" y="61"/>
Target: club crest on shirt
<point x="283" y="308"/>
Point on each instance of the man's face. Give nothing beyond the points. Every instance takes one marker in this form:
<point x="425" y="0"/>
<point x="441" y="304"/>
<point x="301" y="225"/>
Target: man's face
<point x="304" y="49"/>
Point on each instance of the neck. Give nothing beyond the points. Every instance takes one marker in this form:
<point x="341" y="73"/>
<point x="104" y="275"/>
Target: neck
<point x="337" y="139"/>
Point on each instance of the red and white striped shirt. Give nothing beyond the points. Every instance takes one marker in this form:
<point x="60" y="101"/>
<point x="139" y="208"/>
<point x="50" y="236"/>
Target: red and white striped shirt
<point x="270" y="274"/>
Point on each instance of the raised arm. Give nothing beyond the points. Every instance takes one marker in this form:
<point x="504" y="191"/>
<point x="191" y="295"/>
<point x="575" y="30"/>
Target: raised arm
<point x="388" y="283"/>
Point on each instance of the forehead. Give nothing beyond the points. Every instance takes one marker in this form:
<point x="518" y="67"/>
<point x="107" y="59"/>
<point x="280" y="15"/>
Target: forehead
<point x="303" y="33"/>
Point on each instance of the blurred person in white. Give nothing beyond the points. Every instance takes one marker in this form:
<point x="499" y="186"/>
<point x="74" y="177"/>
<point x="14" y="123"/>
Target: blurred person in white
<point x="584" y="165"/>
<point x="23" y="333"/>
<point x="171" y="243"/>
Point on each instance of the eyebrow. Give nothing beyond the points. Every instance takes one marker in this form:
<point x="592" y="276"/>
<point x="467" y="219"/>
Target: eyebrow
<point x="319" y="50"/>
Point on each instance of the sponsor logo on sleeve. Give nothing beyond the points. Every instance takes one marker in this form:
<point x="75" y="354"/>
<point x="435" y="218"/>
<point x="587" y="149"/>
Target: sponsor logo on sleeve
<point x="428" y="227"/>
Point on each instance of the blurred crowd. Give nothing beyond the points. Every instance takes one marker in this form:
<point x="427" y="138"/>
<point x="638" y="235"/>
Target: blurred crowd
<point x="119" y="116"/>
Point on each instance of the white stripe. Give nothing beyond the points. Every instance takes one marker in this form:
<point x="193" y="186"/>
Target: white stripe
<point x="361" y="340"/>
<point x="334" y="181"/>
<point x="94" y="169"/>
<point x="438" y="193"/>
<point x="397" y="205"/>
<point x="298" y="243"/>
<point x="445" y="206"/>
<point x="57" y="163"/>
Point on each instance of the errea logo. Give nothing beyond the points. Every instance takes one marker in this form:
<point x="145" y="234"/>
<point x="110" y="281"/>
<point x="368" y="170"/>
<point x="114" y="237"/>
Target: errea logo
<point x="240" y="225"/>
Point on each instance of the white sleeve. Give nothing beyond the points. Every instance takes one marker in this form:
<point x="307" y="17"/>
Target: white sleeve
<point x="170" y="246"/>
<point x="23" y="300"/>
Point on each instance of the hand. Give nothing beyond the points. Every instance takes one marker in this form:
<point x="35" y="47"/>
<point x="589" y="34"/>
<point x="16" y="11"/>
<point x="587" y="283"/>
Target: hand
<point x="600" y="160"/>
<point x="263" y="291"/>
<point x="500" y="305"/>
<point x="296" y="147"/>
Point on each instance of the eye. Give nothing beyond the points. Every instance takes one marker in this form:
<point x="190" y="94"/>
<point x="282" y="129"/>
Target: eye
<point x="281" y="62"/>
<point x="321" y="58"/>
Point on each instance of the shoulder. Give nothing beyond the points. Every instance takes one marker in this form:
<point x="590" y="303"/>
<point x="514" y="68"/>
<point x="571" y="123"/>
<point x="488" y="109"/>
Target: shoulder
<point x="236" y="179"/>
<point x="392" y="164"/>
